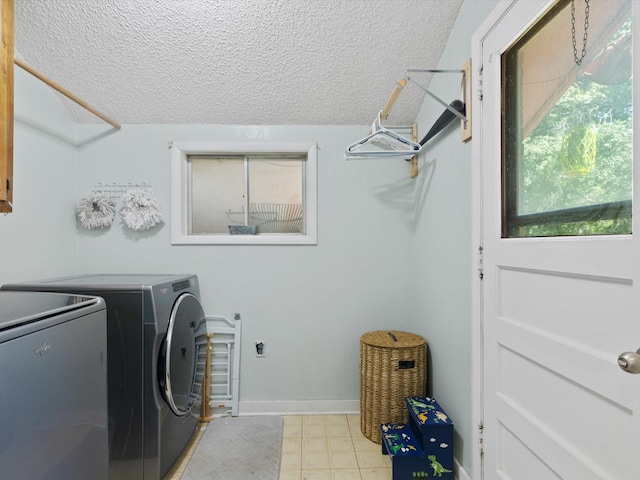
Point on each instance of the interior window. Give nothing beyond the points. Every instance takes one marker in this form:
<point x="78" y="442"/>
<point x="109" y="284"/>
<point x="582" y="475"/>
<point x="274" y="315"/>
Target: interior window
<point x="244" y="193"/>
<point x="567" y="123"/>
<point x="261" y="192"/>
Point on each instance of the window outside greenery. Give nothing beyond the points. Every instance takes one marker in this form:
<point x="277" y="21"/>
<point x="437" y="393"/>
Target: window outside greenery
<point x="572" y="173"/>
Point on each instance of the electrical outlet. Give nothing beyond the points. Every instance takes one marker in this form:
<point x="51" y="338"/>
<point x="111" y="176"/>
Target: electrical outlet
<point x="260" y="349"/>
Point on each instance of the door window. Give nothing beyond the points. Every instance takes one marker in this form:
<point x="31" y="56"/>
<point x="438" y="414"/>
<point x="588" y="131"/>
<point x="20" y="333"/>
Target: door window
<point x="567" y="126"/>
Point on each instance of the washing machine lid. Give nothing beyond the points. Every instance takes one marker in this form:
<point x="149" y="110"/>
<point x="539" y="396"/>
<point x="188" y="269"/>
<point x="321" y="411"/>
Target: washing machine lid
<point x="20" y="308"/>
<point x="115" y="281"/>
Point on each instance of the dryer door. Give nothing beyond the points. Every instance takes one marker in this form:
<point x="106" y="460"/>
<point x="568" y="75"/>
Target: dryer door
<point x="177" y="380"/>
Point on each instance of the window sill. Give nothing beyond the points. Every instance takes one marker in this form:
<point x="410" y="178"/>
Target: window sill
<point x="263" y="239"/>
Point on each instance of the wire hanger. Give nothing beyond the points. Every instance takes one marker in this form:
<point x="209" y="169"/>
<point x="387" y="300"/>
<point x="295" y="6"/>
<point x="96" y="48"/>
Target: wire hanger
<point x="383" y="142"/>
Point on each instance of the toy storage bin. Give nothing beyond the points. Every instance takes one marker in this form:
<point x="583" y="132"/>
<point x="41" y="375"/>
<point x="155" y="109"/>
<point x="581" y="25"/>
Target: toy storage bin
<point x="422" y="447"/>
<point x="392" y="367"/>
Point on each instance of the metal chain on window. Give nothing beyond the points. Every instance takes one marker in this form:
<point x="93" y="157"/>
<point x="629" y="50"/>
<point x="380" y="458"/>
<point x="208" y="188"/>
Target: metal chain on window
<point x="573" y="31"/>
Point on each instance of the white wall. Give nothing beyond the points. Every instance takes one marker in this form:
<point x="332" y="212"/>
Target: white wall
<point x="443" y="249"/>
<point x="38" y="238"/>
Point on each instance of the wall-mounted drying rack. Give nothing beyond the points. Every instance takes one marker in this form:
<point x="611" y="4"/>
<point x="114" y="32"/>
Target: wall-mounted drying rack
<point x="457" y="108"/>
<point x="25" y="66"/>
<point x="384" y="142"/>
<point x="116" y="190"/>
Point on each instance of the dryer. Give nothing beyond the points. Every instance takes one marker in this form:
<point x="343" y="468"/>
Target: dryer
<point x="152" y="321"/>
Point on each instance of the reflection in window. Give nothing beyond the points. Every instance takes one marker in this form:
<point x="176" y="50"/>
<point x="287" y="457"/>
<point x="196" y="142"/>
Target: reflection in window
<point x="567" y="124"/>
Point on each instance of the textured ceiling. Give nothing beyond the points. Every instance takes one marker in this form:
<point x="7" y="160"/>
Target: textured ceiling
<point x="246" y="62"/>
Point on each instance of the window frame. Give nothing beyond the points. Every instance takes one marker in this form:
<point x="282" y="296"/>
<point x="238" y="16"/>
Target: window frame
<point x="180" y="188"/>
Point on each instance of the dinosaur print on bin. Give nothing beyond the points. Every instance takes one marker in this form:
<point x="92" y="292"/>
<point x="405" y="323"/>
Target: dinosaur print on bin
<point x="427" y="410"/>
<point x="438" y="469"/>
<point x="422" y="447"/>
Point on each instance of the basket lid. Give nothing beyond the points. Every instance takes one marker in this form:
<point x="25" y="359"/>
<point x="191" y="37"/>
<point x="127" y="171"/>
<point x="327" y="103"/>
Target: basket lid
<point x="392" y="339"/>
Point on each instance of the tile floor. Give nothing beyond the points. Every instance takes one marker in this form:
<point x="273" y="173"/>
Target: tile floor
<point x="330" y="447"/>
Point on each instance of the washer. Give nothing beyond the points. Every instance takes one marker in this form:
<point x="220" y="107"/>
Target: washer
<point x="53" y="399"/>
<point x="151" y="325"/>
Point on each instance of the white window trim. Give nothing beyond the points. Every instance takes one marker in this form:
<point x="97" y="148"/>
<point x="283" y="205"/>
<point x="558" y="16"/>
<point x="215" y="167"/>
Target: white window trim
<point x="180" y="152"/>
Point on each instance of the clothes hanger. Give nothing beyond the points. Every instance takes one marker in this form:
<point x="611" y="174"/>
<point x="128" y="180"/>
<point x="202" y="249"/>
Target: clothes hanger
<point x="387" y="143"/>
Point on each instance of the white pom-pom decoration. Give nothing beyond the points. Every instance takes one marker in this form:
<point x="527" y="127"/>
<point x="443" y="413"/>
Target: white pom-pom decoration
<point x="96" y="212"/>
<point x="140" y="210"/>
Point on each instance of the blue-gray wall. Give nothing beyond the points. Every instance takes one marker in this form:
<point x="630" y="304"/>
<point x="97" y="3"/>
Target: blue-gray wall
<point x="39" y="238"/>
<point x="310" y="304"/>
<point x="443" y="269"/>
<point x="393" y="252"/>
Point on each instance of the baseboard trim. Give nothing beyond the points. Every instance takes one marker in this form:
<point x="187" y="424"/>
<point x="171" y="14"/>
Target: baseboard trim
<point x="459" y="472"/>
<point x="299" y="407"/>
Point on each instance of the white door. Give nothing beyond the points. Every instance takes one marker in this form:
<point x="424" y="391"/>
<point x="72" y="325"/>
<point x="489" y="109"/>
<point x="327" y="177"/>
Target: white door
<point x="557" y="311"/>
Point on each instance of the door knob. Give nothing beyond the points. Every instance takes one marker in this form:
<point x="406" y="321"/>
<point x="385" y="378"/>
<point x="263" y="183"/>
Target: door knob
<point x="630" y="361"/>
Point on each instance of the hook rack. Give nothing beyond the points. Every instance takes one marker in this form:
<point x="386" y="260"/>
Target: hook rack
<point x="116" y="190"/>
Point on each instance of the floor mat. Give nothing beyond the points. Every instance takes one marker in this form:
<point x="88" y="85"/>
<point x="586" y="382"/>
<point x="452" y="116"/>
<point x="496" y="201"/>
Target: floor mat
<point x="238" y="448"/>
